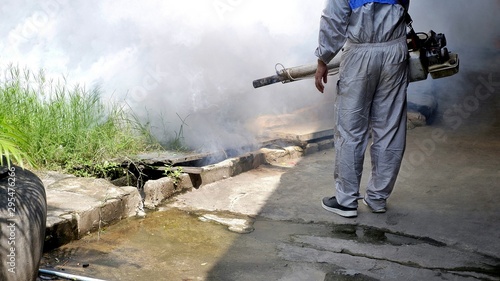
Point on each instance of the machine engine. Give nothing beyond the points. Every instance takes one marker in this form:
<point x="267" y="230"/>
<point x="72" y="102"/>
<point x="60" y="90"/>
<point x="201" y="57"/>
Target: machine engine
<point x="429" y="54"/>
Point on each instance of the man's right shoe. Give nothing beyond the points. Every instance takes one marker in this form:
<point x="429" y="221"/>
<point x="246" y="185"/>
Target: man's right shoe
<point x="330" y="204"/>
<point x="374" y="210"/>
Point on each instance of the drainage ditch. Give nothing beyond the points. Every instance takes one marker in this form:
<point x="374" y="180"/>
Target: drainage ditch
<point x="154" y="165"/>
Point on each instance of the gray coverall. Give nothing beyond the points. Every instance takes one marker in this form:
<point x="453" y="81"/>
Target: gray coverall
<point x="371" y="94"/>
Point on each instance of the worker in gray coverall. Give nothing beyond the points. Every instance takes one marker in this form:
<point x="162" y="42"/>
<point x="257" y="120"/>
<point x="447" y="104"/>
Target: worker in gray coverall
<point x="371" y="97"/>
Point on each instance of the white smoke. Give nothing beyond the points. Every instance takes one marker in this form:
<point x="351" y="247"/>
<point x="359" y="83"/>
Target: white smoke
<point x="467" y="24"/>
<point x="195" y="60"/>
<point x="171" y="60"/>
<point x="470" y="29"/>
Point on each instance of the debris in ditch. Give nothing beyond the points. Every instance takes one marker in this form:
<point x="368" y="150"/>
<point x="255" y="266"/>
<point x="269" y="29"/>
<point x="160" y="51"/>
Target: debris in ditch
<point x="237" y="225"/>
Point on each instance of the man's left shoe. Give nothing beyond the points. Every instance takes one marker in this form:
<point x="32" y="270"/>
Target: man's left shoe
<point x="330" y="204"/>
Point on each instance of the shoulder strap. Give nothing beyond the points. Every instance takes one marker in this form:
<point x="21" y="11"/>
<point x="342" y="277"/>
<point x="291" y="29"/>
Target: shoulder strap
<point x="408" y="18"/>
<point x="412" y="35"/>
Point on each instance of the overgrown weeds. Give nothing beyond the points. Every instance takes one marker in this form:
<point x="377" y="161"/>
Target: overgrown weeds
<point x="172" y="141"/>
<point x="66" y="127"/>
<point x="177" y="142"/>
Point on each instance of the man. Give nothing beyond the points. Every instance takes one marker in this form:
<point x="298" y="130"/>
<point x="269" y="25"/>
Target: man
<point x="371" y="96"/>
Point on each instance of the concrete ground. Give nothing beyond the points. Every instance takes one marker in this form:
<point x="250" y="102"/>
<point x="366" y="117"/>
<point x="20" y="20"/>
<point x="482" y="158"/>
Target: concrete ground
<point x="441" y="224"/>
<point x="442" y="221"/>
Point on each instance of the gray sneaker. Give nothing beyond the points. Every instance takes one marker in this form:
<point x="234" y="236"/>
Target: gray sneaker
<point x="378" y="211"/>
<point x="330" y="204"/>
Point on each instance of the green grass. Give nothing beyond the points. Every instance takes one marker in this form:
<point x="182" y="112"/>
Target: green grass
<point x="64" y="127"/>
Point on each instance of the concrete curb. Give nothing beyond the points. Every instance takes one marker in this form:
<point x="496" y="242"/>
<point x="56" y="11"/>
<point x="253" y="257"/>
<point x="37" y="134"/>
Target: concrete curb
<point x="157" y="191"/>
<point x="78" y="206"/>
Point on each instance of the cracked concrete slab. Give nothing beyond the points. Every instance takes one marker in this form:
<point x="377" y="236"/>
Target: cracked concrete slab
<point x="420" y="255"/>
<point x="374" y="268"/>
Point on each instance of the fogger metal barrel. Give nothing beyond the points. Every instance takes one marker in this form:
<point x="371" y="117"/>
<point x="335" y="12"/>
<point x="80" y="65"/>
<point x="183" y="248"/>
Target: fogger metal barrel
<point x="418" y="70"/>
<point x="286" y="75"/>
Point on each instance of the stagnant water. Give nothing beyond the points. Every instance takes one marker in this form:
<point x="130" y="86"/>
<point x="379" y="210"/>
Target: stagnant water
<point x="166" y="245"/>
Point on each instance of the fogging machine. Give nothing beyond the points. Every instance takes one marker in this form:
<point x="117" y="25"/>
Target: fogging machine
<point x="428" y="54"/>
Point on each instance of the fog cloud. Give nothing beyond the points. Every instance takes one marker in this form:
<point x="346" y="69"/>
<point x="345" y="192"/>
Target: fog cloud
<point x="195" y="60"/>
